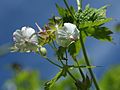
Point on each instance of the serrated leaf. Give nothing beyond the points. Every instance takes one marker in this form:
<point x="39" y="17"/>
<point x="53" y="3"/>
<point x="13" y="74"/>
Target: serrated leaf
<point x="50" y="83"/>
<point x="95" y="23"/>
<point x="61" y="10"/>
<point x="65" y="14"/>
<point x="100" y="33"/>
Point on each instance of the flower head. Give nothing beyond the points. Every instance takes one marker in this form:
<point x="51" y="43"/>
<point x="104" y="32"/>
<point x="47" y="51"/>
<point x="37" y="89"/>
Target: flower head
<point x="25" y="40"/>
<point x="67" y="34"/>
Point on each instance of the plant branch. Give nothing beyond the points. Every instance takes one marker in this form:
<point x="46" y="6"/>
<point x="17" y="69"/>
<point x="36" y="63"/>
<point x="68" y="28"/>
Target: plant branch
<point x="68" y="71"/>
<point x="53" y="62"/>
<point x="71" y="75"/>
<point x="80" y="70"/>
<point x="87" y="62"/>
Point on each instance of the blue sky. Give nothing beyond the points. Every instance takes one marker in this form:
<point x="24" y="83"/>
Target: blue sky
<point x="15" y="14"/>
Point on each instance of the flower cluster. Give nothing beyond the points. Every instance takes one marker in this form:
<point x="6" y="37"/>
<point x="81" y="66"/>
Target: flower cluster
<point x="63" y="34"/>
<point x="27" y="39"/>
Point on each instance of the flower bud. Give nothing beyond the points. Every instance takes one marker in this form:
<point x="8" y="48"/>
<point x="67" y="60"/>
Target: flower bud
<point x="43" y="51"/>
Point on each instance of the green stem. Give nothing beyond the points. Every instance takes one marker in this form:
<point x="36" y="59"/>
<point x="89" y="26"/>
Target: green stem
<point x="68" y="71"/>
<point x="80" y="70"/>
<point x="66" y="56"/>
<point x="72" y="76"/>
<point x="79" y="4"/>
<point x="87" y="62"/>
<point x="53" y="62"/>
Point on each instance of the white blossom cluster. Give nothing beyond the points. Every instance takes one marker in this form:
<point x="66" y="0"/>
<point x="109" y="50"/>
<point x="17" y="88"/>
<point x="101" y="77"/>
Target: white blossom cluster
<point x="26" y="39"/>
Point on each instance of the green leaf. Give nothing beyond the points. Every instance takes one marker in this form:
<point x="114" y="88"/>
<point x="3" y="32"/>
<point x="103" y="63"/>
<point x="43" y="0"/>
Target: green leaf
<point x="111" y="79"/>
<point x="95" y="23"/>
<point x="61" y="10"/>
<point x="100" y="33"/>
<point x="91" y="16"/>
<point x="74" y="48"/>
<point x="60" y="53"/>
<point x="50" y="83"/>
<point x="65" y="14"/>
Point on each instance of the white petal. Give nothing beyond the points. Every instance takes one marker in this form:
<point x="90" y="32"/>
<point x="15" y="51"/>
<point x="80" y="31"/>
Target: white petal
<point x="76" y="34"/>
<point x="34" y="39"/>
<point x="69" y="27"/>
<point x="17" y="36"/>
<point x="27" y="32"/>
<point x="61" y="34"/>
<point x="67" y="34"/>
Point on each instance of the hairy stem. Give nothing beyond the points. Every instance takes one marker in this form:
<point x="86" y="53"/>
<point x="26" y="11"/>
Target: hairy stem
<point x="87" y="62"/>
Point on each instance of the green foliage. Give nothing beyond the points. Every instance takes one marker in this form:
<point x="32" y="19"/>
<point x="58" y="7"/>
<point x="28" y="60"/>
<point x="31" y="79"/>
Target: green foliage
<point x="85" y="84"/>
<point x="91" y="14"/>
<point x="65" y="14"/>
<point x="26" y="80"/>
<point x="66" y="83"/>
<point x="88" y="24"/>
<point x="100" y="33"/>
<point x="111" y="79"/>
<point x="50" y="83"/>
<point x="89" y="20"/>
<point x="74" y="48"/>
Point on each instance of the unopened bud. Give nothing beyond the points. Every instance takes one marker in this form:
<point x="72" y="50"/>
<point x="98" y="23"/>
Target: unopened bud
<point x="43" y="51"/>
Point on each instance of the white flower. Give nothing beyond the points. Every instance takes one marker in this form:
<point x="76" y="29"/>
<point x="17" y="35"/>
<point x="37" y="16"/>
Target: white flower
<point x="67" y="34"/>
<point x="25" y="39"/>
